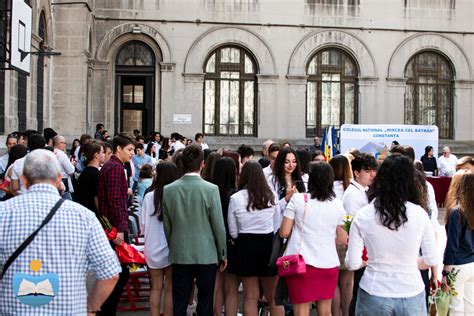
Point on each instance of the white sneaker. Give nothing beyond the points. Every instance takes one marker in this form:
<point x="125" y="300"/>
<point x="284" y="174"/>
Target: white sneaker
<point x="191" y="311"/>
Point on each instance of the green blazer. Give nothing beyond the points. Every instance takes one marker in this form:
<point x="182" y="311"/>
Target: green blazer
<point x="193" y="221"/>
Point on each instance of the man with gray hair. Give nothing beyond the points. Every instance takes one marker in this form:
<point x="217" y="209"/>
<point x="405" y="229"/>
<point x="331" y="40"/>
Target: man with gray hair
<point x="67" y="167"/>
<point x="48" y="276"/>
<point x="447" y="163"/>
<point x="265" y="161"/>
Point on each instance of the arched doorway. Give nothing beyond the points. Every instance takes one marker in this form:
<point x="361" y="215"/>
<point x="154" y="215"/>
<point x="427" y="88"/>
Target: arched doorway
<point x="135" y="88"/>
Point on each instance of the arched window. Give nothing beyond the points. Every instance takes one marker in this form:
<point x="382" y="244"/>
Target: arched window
<point x="40" y="73"/>
<point x="135" y="54"/>
<point x="230" y="92"/>
<point x="429" y="92"/>
<point x="331" y="92"/>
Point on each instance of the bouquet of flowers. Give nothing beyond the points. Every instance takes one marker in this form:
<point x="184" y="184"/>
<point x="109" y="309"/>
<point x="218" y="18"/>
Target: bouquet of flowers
<point x="347" y="220"/>
<point x="126" y="253"/>
<point x="439" y="298"/>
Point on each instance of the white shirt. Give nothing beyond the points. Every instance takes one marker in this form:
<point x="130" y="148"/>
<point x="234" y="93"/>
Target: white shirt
<point x="447" y="166"/>
<point x="305" y="178"/>
<point x="392" y="269"/>
<point x="18" y="172"/>
<point x="355" y="198"/>
<point x="204" y="146"/>
<point x="274" y="186"/>
<point x="67" y="168"/>
<point x="339" y="189"/>
<point x="242" y="221"/>
<point x="318" y="245"/>
<point x="156" y="248"/>
<point x="177" y="145"/>
<point x="267" y="172"/>
<point x="3" y="163"/>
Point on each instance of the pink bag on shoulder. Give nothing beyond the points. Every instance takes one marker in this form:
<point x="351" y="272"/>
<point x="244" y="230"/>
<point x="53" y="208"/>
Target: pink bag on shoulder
<point x="292" y="265"/>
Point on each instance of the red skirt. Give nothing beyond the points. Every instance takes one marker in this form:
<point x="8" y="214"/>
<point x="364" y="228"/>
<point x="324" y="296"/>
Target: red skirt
<point x="315" y="285"/>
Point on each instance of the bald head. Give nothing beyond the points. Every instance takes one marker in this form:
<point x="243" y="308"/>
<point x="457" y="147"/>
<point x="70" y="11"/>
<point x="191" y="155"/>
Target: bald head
<point x="59" y="142"/>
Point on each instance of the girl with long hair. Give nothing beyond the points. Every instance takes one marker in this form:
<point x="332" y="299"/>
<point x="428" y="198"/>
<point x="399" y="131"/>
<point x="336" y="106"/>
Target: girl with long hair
<point x="315" y="222"/>
<point x="253" y="218"/>
<point x="227" y="283"/>
<point x="343" y="295"/>
<point x="393" y="228"/>
<point x="286" y="177"/>
<point x="156" y="248"/>
<point x="152" y="151"/>
<point x="459" y="252"/>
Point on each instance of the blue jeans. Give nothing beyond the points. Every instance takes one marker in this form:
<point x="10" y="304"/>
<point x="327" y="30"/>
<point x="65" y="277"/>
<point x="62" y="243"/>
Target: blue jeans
<point x="368" y="305"/>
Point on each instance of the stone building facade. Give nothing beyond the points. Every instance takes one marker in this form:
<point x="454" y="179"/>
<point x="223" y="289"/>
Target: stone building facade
<point x="247" y="70"/>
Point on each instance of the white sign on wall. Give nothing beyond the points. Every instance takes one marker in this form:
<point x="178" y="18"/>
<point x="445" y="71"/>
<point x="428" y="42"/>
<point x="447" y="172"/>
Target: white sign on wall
<point x="182" y="118"/>
<point x="377" y="139"/>
<point x="20" y="35"/>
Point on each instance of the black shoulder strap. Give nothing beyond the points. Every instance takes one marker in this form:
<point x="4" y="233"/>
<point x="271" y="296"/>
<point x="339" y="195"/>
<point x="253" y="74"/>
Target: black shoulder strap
<point x="28" y="240"/>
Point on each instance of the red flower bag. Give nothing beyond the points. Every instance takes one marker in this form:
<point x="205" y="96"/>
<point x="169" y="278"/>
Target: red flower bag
<point x="293" y="264"/>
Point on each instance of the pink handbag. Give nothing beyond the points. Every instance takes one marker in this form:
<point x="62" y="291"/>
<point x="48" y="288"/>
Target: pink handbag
<point x="292" y="265"/>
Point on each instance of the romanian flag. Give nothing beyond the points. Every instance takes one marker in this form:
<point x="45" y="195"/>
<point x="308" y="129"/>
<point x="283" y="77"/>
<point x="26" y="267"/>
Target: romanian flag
<point x="329" y="140"/>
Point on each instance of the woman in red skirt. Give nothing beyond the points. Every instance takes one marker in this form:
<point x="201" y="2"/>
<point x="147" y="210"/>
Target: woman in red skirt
<point x="314" y="220"/>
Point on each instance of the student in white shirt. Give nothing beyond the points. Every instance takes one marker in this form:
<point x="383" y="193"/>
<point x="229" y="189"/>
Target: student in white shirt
<point x="355" y="197"/>
<point x="314" y="220"/>
<point x="156" y="248"/>
<point x="364" y="168"/>
<point x="394" y="228"/>
<point x="447" y="163"/>
<point x="253" y="217"/>
<point x="272" y="155"/>
<point x="342" y="180"/>
<point x="199" y="138"/>
<point x="286" y="177"/>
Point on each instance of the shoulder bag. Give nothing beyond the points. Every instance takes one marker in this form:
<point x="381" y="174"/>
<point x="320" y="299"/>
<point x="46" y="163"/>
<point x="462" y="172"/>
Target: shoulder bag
<point x="28" y="240"/>
<point x="294" y="264"/>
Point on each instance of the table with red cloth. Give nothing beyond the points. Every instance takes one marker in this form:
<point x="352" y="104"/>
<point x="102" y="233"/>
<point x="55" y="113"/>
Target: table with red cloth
<point x="441" y="187"/>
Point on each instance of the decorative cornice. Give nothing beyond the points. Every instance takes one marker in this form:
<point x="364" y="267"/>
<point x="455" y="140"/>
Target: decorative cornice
<point x="463" y="84"/>
<point x="167" y="67"/>
<point x="267" y="79"/>
<point x="297" y="79"/>
<point x="397" y="82"/>
<point x="193" y="77"/>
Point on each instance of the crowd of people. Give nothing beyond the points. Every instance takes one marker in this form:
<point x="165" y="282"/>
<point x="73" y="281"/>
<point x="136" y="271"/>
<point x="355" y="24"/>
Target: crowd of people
<point x="210" y="219"/>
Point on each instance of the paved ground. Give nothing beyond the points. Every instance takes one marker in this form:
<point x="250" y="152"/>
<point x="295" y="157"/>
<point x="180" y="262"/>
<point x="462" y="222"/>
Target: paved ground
<point x="441" y="242"/>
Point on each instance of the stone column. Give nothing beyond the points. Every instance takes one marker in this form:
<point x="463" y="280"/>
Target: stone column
<point x="69" y="86"/>
<point x="268" y="116"/>
<point x="296" y="107"/>
<point x="394" y="102"/>
<point x="463" y="113"/>
<point x="370" y="110"/>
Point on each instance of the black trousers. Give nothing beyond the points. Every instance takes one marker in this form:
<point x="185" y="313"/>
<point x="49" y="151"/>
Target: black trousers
<point x="357" y="277"/>
<point x="183" y="277"/>
<point x="425" y="275"/>
<point x="109" y="307"/>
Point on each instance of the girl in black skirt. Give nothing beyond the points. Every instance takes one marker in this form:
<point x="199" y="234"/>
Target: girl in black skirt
<point x="253" y="217"/>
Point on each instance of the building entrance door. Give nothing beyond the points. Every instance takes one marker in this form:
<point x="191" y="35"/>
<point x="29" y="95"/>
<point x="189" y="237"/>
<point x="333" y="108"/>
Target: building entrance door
<point x="136" y="103"/>
<point x="135" y="86"/>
